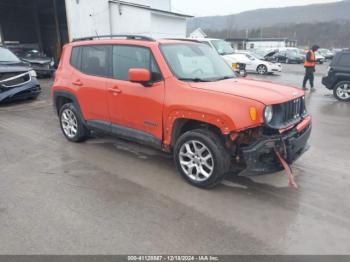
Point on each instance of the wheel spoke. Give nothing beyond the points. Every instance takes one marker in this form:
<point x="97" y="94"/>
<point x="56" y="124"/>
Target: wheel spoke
<point x="210" y="167"/>
<point x="204" y="173"/>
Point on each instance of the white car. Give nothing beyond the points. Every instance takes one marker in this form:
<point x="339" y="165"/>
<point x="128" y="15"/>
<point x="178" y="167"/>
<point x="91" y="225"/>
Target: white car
<point x="226" y="51"/>
<point x="261" y="67"/>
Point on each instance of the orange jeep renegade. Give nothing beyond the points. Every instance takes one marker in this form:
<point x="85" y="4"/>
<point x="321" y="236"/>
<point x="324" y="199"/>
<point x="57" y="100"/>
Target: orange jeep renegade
<point x="180" y="97"/>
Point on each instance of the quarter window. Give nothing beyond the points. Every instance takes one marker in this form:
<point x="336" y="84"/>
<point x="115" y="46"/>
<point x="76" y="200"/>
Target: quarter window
<point x="126" y="57"/>
<point x="95" y="60"/>
<point x="75" y="57"/>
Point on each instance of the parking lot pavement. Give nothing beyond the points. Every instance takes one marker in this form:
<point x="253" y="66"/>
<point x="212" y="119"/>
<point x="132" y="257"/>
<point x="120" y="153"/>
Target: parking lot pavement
<point x="108" y="196"/>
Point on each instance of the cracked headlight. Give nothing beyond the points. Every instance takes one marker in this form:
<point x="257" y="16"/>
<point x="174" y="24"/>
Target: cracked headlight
<point x="268" y="114"/>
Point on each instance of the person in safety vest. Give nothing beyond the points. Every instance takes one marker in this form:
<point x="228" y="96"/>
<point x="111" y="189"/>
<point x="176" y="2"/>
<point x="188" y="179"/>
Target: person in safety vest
<point x="310" y="64"/>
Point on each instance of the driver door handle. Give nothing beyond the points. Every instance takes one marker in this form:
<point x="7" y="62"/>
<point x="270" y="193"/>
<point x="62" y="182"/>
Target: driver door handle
<point x="114" y="90"/>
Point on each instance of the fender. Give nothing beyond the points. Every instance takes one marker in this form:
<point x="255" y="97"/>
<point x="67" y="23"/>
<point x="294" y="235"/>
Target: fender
<point x="224" y="123"/>
<point x="69" y="95"/>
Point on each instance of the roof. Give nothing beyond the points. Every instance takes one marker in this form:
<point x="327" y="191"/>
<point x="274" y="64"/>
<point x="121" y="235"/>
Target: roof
<point x="143" y="41"/>
<point x="150" y="8"/>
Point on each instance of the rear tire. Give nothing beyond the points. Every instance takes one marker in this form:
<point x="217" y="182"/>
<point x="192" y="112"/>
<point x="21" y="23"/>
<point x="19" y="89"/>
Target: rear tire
<point x="201" y="158"/>
<point x="71" y="124"/>
<point x="341" y="91"/>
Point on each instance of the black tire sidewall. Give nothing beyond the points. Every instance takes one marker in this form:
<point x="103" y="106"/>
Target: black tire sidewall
<point x="82" y="132"/>
<point x="218" y="151"/>
<point x="335" y="91"/>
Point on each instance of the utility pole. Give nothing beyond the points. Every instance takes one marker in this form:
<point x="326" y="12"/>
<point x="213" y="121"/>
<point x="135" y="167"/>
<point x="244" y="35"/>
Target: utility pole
<point x="57" y="29"/>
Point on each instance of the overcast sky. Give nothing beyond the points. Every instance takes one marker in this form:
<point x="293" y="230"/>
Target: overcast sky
<point x="223" y="7"/>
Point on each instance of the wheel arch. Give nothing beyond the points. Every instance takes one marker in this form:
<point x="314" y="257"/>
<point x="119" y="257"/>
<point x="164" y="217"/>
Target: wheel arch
<point x="63" y="97"/>
<point x="180" y="125"/>
<point x="340" y="78"/>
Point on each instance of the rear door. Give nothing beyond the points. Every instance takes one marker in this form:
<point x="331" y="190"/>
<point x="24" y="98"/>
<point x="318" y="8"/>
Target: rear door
<point x="133" y="105"/>
<point x="90" y="80"/>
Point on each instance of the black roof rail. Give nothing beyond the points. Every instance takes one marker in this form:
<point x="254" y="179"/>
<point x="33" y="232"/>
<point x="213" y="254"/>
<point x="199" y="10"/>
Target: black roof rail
<point x="184" y="39"/>
<point x="133" y="37"/>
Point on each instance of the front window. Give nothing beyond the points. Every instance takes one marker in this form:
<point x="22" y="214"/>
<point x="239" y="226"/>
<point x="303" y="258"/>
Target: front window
<point x="222" y="47"/>
<point x="7" y="56"/>
<point x="196" y="62"/>
<point x="127" y="57"/>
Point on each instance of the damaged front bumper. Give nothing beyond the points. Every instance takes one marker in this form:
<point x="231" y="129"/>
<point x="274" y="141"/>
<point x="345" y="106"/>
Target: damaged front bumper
<point x="27" y="90"/>
<point x="260" y="157"/>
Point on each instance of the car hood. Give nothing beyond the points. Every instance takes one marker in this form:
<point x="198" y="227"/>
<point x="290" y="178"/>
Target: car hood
<point x="39" y="60"/>
<point x="271" y="53"/>
<point x="232" y="58"/>
<point x="13" y="67"/>
<point x="264" y="92"/>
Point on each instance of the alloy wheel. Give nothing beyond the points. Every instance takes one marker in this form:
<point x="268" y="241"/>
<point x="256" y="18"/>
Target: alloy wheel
<point x="69" y="123"/>
<point x="343" y="91"/>
<point x="196" y="160"/>
<point x="262" y="70"/>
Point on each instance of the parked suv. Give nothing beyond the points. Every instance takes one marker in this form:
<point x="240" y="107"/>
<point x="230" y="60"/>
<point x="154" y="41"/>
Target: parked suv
<point x="338" y="78"/>
<point x="180" y="97"/>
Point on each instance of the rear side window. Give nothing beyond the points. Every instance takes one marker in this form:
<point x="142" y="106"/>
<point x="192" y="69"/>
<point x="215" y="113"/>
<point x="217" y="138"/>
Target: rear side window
<point x="95" y="60"/>
<point x="344" y="60"/>
<point x="126" y="57"/>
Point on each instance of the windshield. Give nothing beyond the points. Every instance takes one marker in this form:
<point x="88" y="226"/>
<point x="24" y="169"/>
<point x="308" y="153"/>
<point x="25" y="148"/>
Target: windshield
<point x="293" y="52"/>
<point x="222" y="47"/>
<point x="196" y="62"/>
<point x="7" y="56"/>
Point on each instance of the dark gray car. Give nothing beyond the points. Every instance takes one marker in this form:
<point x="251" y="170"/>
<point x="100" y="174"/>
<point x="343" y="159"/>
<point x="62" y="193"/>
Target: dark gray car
<point x="17" y="79"/>
<point x="42" y="64"/>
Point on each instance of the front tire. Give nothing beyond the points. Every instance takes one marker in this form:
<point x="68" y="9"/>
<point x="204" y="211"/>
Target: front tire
<point x="201" y="158"/>
<point x="71" y="124"/>
<point x="341" y="91"/>
<point x="262" y="70"/>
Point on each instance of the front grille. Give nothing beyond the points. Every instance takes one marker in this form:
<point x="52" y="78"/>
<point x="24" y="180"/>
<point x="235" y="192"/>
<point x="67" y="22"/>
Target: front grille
<point x="288" y="113"/>
<point x="4" y="76"/>
<point x="293" y="109"/>
<point x="12" y="81"/>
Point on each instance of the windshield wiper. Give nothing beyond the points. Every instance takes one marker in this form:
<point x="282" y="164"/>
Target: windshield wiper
<point x="226" y="53"/>
<point x="195" y="79"/>
<point x="224" y="78"/>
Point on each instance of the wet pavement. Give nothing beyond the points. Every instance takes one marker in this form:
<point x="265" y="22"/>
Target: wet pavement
<point x="108" y="196"/>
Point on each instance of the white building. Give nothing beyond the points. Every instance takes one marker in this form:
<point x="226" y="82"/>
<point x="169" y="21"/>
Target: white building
<point x="104" y="17"/>
<point x="198" y="34"/>
<point x="51" y="23"/>
<point x="261" y="43"/>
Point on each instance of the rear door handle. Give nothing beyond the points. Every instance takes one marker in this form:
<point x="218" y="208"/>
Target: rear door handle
<point x="77" y="83"/>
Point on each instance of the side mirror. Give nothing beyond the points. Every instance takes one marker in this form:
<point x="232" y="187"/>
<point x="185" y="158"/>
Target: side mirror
<point x="140" y="75"/>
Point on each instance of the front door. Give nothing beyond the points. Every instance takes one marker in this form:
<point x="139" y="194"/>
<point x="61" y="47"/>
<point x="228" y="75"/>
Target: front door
<point x="133" y="107"/>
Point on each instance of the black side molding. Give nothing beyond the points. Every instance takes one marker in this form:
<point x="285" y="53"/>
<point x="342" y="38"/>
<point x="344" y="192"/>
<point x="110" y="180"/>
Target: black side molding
<point x="126" y="133"/>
